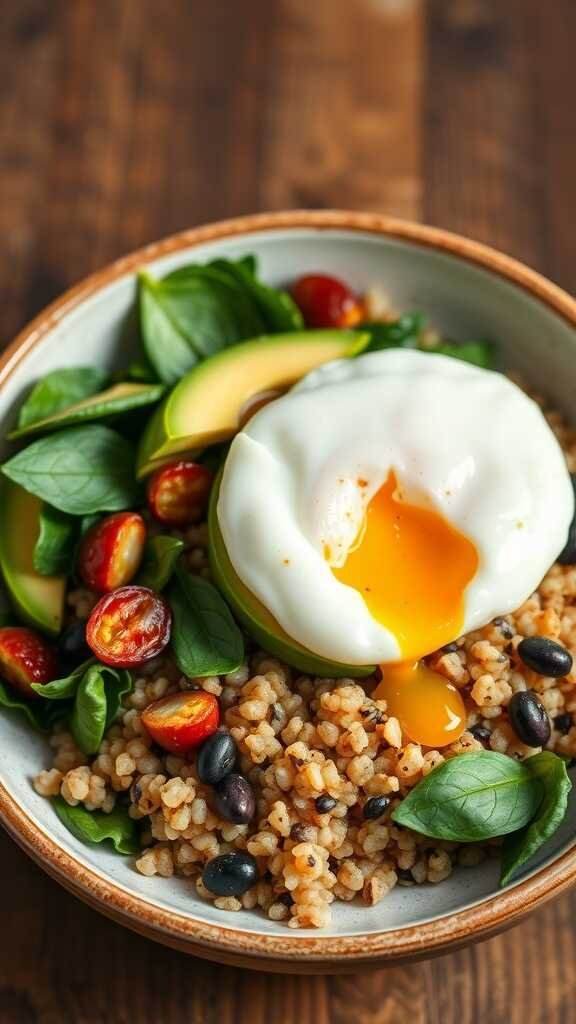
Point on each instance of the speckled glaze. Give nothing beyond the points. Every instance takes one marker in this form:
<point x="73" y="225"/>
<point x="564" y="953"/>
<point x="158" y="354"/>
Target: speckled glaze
<point x="466" y="290"/>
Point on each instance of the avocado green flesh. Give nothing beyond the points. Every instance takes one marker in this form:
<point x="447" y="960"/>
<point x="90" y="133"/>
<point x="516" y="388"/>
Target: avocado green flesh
<point x="206" y="407"/>
<point x="259" y="623"/>
<point x="112" y="402"/>
<point x="39" y="600"/>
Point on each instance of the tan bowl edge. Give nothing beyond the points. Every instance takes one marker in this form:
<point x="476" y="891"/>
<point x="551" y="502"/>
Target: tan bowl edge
<point x="290" y="952"/>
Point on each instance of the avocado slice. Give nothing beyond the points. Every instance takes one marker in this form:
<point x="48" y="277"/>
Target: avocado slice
<point x="207" y="405"/>
<point x="113" y="401"/>
<point x="259" y="623"/>
<point x="39" y="600"/>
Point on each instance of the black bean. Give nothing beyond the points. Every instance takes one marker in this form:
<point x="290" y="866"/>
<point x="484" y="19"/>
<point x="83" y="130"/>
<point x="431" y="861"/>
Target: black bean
<point x="300" y="833"/>
<point x="375" y="807"/>
<point x="568" y="554"/>
<point x="529" y="719"/>
<point x="216" y="758"/>
<point x="72" y="646"/>
<point x="234" y="799"/>
<point x="481" y="733"/>
<point x="563" y="722"/>
<point x="286" y="898"/>
<point x="545" y="656"/>
<point x="325" y="803"/>
<point x="230" y="874"/>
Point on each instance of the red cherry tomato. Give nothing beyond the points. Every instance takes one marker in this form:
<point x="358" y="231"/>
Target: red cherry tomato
<point x="326" y="302"/>
<point x="178" y="494"/>
<point x="111" y="551"/>
<point x="129" y="626"/>
<point x="180" y="721"/>
<point x="26" y="658"/>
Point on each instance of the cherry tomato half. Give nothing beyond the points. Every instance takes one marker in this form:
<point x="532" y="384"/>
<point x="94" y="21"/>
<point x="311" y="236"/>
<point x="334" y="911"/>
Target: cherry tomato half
<point x="326" y="302"/>
<point x="178" y="494"/>
<point x="26" y="658"/>
<point x="129" y="626"/>
<point x="111" y="551"/>
<point x="181" y="721"/>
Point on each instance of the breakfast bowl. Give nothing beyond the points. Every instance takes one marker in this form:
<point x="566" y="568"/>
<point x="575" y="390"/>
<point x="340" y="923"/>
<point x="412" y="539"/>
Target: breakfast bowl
<point x="467" y="292"/>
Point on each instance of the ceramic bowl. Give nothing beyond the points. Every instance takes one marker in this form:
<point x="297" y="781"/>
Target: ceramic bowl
<point x="468" y="291"/>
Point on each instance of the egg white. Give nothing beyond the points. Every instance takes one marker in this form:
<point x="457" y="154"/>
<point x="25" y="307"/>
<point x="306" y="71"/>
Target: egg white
<point x="462" y="440"/>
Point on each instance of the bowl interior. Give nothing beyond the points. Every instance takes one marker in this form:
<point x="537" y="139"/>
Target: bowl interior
<point x="460" y="298"/>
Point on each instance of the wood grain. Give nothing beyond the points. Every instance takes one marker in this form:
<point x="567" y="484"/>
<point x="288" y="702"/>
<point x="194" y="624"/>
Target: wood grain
<point x="122" y="122"/>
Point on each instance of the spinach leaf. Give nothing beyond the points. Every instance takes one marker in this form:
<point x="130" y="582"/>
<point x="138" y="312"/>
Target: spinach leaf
<point x="79" y="470"/>
<point x="115" y="401"/>
<point x="205" y="639"/>
<point x="96" y="826"/>
<point x="53" y="552"/>
<point x="550" y="770"/>
<point x="471" y="797"/>
<point x="65" y="687"/>
<point x="402" y="333"/>
<point x="165" y="346"/>
<point x="59" y="389"/>
<point x="160" y="557"/>
<point x="277" y="308"/>
<point x="88" y="719"/>
<point x="479" y="353"/>
<point x="32" y="710"/>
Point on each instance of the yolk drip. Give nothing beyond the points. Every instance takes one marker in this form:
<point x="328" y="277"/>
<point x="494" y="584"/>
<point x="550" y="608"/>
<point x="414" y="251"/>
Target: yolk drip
<point x="411" y="567"/>
<point x="429" y="708"/>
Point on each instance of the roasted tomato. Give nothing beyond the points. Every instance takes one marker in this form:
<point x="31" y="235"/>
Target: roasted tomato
<point x="129" y="626"/>
<point x="26" y="658"/>
<point x="178" y="494"/>
<point x="181" y="721"/>
<point x="326" y="302"/>
<point x="111" y="551"/>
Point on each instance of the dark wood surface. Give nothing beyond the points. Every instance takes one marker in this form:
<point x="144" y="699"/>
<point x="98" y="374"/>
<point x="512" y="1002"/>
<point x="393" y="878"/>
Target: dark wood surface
<point x="124" y="120"/>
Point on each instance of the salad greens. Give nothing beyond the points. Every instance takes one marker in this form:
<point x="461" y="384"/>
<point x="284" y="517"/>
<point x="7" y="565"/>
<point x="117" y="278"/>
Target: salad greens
<point x="205" y="639"/>
<point x="161" y="555"/>
<point x="97" y="827"/>
<point x="484" y="795"/>
<point x="80" y="470"/>
<point x="93" y="693"/>
<point x="52" y="555"/>
<point x="116" y="400"/>
<point x="58" y="390"/>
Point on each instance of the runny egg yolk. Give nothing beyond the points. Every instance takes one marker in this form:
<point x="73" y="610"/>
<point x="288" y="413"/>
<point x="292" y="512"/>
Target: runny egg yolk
<point x="412" y="568"/>
<point x="427" y="705"/>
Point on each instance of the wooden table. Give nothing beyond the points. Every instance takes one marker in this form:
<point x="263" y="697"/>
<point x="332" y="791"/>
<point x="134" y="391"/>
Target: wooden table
<point x="125" y="120"/>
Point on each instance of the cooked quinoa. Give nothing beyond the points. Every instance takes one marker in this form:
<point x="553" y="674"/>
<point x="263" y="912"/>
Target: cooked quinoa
<point x="301" y="739"/>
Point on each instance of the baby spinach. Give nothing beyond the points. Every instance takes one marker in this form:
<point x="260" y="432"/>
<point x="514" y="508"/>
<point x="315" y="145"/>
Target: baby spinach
<point x="205" y="639"/>
<point x="276" y="307"/>
<point x="59" y="389"/>
<point x="160" y="557"/>
<point x="79" y="470"/>
<point x="115" y="401"/>
<point x="32" y="710"/>
<point x="556" y="786"/>
<point x="479" y="353"/>
<point x="471" y="797"/>
<point x="94" y="694"/>
<point x="401" y="333"/>
<point x="97" y="827"/>
<point x="53" y="551"/>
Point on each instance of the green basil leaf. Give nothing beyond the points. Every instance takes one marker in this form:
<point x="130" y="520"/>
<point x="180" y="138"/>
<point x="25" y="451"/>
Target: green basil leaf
<point x="32" y="710"/>
<point x="160" y="557"/>
<point x="471" y="797"/>
<point x="97" y="827"/>
<point x="205" y="639"/>
<point x="276" y="307"/>
<point x="79" y="470"/>
<point x="59" y="389"/>
<point x="551" y="772"/>
<point x="88" y="719"/>
<point x="479" y="353"/>
<point x="53" y="552"/>
<point x="402" y="333"/>
<point x="64" y="688"/>
<point x="115" y="401"/>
